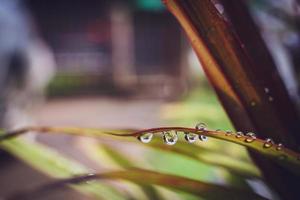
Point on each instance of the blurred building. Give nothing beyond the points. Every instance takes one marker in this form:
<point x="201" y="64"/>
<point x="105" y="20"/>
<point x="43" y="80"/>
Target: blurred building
<point x="115" y="47"/>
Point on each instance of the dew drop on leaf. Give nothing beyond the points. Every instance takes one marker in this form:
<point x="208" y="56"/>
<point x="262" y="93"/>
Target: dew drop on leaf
<point x="190" y="137"/>
<point x="250" y="134"/>
<point x="228" y="133"/>
<point x="268" y="143"/>
<point x="250" y="137"/>
<point x="239" y="134"/>
<point x="170" y="138"/>
<point x="203" y="138"/>
<point x="279" y="147"/>
<point x="249" y="140"/>
<point x="201" y="126"/>
<point x="146" y="137"/>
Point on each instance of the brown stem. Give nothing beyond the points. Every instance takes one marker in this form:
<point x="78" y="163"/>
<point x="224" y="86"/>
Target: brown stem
<point x="244" y="76"/>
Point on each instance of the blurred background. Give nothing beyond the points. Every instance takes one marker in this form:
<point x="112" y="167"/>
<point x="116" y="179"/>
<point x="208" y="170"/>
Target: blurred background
<point x="116" y="64"/>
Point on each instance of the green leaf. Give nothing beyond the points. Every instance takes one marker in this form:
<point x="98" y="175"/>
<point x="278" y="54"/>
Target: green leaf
<point x="146" y="177"/>
<point x="53" y="164"/>
<point x="283" y="156"/>
<point x="123" y="162"/>
<point x="172" y="162"/>
<point x="234" y="165"/>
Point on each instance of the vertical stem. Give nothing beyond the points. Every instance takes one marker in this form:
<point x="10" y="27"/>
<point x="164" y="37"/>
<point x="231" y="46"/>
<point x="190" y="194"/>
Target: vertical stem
<point x="265" y="71"/>
<point x="244" y="76"/>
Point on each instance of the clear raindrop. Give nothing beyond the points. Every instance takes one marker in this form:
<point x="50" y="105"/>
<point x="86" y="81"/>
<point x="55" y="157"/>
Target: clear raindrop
<point x="250" y="134"/>
<point x="201" y="126"/>
<point x="279" y="147"/>
<point x="190" y="137"/>
<point x="228" y="133"/>
<point x="268" y="143"/>
<point x="170" y="138"/>
<point x="239" y="134"/>
<point x="146" y="137"/>
<point x="203" y="138"/>
<point x="250" y="137"/>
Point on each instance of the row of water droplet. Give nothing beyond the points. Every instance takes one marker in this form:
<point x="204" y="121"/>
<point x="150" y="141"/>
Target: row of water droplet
<point x="268" y="143"/>
<point x="251" y="137"/>
<point x="171" y="137"/>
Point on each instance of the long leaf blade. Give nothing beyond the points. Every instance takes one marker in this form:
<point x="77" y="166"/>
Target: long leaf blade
<point x="51" y="163"/>
<point x="140" y="176"/>
<point x="283" y="156"/>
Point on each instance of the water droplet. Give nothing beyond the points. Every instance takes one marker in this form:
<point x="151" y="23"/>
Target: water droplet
<point x="146" y="137"/>
<point x="250" y="134"/>
<point x="268" y="143"/>
<point x="250" y="137"/>
<point x="170" y="138"/>
<point x="279" y="147"/>
<point x="253" y="103"/>
<point x="228" y="133"/>
<point x="201" y="126"/>
<point x="203" y="138"/>
<point x="239" y="134"/>
<point x="190" y="137"/>
<point x="271" y="98"/>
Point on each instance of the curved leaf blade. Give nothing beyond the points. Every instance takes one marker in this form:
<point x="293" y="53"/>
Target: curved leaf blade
<point x="51" y="163"/>
<point x="283" y="156"/>
<point x="146" y="177"/>
<point x="236" y="166"/>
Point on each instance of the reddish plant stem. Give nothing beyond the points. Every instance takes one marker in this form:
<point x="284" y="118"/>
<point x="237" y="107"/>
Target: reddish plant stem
<point x="242" y="83"/>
